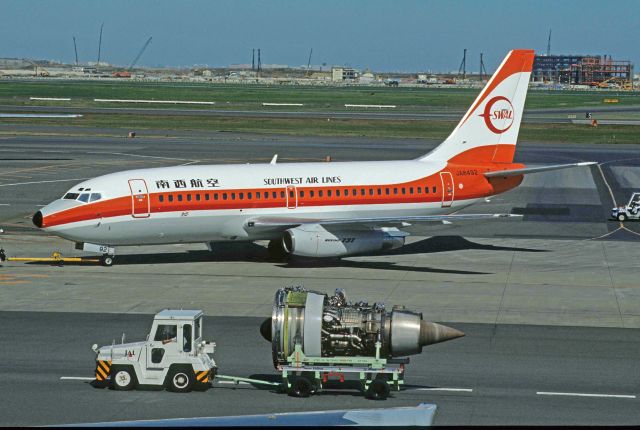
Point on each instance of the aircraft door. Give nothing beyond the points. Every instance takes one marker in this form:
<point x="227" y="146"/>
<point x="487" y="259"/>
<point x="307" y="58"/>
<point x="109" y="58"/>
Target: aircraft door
<point x="447" y="189"/>
<point x="292" y="197"/>
<point x="140" y="203"/>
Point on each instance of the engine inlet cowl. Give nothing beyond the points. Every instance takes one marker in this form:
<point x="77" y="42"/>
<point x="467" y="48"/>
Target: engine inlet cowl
<point x="331" y="326"/>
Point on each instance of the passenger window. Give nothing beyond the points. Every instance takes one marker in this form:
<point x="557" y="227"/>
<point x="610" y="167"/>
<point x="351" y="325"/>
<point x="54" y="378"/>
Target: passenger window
<point x="346" y="193"/>
<point x="380" y="191"/>
<point x="179" y="197"/>
<point x="362" y="192"/>
<point x="241" y="196"/>
<point x="301" y="193"/>
<point x="311" y="193"/>
<point x="249" y="195"/>
<point x="186" y="338"/>
<point x="207" y="197"/>
<point x="258" y="195"/>
<point x="198" y="332"/>
<point x="434" y="190"/>
<point x="188" y="197"/>
<point x="371" y="191"/>
<point x="395" y="191"/>
<point x="320" y="193"/>
<point x="328" y="193"/>
<point x="337" y="193"/>
<point x="290" y="194"/>
<point x="161" y="198"/>
<point x="419" y="190"/>
<point x="233" y="196"/>
<point x="410" y="190"/>
<point x="170" y="197"/>
<point x="404" y="190"/>
<point x="426" y="190"/>
<point x="198" y="197"/>
<point x="83" y="198"/>
<point x="215" y="196"/>
<point x="354" y="192"/>
<point x="386" y="191"/>
<point x="95" y="196"/>
<point x="282" y="194"/>
<point x="275" y="195"/>
<point x="224" y="196"/>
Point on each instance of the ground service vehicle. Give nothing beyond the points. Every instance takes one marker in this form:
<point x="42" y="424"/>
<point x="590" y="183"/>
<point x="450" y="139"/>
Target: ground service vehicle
<point x="174" y="356"/>
<point x="630" y="211"/>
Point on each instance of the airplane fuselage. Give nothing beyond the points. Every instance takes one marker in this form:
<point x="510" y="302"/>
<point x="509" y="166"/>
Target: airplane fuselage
<point x="217" y="202"/>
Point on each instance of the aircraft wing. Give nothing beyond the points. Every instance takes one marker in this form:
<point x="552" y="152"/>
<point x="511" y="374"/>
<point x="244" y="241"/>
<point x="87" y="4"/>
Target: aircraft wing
<point x="289" y="222"/>
<point x="525" y="170"/>
<point x="421" y="415"/>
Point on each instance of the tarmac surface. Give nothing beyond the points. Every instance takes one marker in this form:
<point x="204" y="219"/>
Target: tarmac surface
<point x="550" y="302"/>
<point x="497" y="374"/>
<point x="530" y="115"/>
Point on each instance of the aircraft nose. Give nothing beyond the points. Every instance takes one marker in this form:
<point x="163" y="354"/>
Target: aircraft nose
<point x="37" y="219"/>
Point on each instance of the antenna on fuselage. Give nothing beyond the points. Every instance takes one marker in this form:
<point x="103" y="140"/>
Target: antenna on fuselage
<point x="274" y="159"/>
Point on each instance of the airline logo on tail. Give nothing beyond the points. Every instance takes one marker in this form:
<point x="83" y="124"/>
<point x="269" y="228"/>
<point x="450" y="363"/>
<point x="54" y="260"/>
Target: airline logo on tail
<point x="498" y="114"/>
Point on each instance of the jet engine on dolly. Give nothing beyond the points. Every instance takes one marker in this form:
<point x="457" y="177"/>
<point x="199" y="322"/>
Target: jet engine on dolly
<point x="332" y="326"/>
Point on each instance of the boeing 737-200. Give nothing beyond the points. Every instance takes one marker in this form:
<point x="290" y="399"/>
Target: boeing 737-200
<point x="327" y="209"/>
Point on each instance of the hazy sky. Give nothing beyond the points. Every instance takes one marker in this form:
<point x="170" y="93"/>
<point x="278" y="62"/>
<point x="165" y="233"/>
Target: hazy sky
<point x="382" y="35"/>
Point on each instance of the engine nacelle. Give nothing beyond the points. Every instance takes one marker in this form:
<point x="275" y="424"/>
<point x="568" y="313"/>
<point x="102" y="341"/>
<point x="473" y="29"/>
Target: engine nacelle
<point x="316" y="241"/>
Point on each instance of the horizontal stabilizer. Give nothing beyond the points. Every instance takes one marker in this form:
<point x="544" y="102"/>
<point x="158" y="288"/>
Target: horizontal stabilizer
<point x="525" y="170"/>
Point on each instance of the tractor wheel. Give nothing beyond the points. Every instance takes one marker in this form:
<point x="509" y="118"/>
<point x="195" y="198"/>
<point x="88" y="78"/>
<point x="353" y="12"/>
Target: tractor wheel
<point x="123" y="378"/>
<point x="181" y="380"/>
<point x="107" y="260"/>
<point x="622" y="217"/>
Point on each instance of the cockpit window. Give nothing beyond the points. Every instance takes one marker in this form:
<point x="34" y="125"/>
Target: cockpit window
<point x="84" y="197"/>
<point x="71" y="196"/>
<point x="95" y="196"/>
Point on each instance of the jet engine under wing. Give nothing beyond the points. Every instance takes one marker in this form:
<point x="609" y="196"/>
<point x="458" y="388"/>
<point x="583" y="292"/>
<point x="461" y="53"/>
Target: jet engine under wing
<point x="525" y="170"/>
<point x="269" y="223"/>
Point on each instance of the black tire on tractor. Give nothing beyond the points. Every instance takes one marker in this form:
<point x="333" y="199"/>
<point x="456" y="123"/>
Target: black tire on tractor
<point x="378" y="390"/>
<point x="123" y="378"/>
<point x="107" y="260"/>
<point x="181" y="380"/>
<point x="301" y="387"/>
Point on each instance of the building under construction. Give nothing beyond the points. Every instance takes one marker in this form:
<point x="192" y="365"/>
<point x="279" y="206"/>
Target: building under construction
<point x="592" y="70"/>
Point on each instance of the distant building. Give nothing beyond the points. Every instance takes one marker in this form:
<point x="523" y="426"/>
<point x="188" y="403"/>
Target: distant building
<point x="339" y="74"/>
<point x="590" y="70"/>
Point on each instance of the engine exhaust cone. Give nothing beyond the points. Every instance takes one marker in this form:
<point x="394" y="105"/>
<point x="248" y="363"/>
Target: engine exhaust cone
<point x="431" y="333"/>
<point x="265" y="329"/>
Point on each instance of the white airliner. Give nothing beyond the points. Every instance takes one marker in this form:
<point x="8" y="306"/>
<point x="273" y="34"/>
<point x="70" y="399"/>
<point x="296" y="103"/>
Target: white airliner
<point x="308" y="209"/>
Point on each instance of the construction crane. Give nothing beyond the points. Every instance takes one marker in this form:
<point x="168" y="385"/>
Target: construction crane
<point x="309" y="62"/>
<point x="75" y="49"/>
<point x="144" y="47"/>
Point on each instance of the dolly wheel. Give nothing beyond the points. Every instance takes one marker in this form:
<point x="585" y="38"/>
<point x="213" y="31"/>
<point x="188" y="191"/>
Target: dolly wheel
<point x="107" y="260"/>
<point x="622" y="217"/>
<point x="378" y="390"/>
<point x="301" y="387"/>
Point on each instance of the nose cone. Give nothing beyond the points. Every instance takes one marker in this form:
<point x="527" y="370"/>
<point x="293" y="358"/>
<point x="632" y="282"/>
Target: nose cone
<point x="265" y="329"/>
<point x="431" y="333"/>
<point x="37" y="219"/>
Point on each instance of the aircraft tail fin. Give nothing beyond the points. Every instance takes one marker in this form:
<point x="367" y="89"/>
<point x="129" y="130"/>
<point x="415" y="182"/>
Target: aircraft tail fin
<point x="488" y="132"/>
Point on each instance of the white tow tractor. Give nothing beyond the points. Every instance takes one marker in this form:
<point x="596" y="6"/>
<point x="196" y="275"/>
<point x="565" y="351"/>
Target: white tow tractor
<point x="174" y="356"/>
<point x="630" y="211"/>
